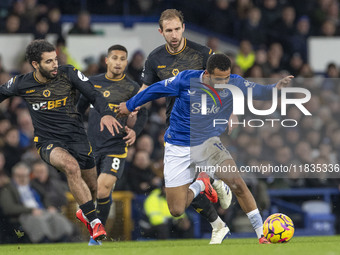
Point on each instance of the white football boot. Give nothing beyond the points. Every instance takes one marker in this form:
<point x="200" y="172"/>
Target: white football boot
<point x="223" y="192"/>
<point x="218" y="235"/>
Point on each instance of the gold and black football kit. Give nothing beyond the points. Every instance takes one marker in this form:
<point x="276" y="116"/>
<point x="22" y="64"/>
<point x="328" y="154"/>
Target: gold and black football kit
<point x="161" y="64"/>
<point x="110" y="151"/>
<point x="52" y="106"/>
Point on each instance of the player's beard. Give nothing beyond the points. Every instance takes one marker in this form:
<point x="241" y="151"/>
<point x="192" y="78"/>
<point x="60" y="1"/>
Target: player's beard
<point x="47" y="74"/>
<point x="176" y="48"/>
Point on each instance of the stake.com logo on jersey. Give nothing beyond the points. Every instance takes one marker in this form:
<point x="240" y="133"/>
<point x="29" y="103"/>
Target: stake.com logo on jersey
<point x="220" y="91"/>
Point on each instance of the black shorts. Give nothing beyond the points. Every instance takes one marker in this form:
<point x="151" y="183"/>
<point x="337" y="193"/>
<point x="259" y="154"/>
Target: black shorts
<point x="111" y="164"/>
<point x="81" y="151"/>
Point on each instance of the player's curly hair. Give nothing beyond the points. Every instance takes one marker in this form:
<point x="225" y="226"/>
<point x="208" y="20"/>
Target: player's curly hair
<point x="170" y="14"/>
<point x="36" y="48"/>
<point x="219" y="61"/>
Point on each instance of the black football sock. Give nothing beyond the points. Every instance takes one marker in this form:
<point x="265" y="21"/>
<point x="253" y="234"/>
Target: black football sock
<point x="103" y="208"/>
<point x="89" y="210"/>
<point x="203" y="206"/>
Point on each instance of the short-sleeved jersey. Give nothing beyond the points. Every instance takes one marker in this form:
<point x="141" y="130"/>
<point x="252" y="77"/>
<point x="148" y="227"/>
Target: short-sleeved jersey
<point x="161" y="64"/>
<point x="115" y="91"/>
<point x="52" y="105"/>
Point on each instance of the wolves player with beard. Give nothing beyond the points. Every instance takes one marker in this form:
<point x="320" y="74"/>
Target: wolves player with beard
<point x="110" y="151"/>
<point x="50" y="95"/>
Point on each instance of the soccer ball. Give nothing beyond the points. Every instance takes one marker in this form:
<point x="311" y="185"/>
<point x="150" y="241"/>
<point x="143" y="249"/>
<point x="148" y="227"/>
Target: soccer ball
<point x="278" y="228"/>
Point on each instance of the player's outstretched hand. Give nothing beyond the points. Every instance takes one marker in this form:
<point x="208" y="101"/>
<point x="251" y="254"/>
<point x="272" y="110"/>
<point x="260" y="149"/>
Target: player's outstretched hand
<point x="109" y="122"/>
<point x="122" y="110"/>
<point x="284" y="82"/>
<point x="130" y="138"/>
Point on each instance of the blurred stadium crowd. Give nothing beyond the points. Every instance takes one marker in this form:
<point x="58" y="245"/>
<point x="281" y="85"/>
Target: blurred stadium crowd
<point x="272" y="37"/>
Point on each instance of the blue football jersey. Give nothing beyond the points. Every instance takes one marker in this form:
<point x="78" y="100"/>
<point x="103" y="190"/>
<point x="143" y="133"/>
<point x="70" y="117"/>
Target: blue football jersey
<point x="198" y="105"/>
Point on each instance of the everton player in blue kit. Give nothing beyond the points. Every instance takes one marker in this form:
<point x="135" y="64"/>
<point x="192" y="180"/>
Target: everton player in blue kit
<point x="166" y="61"/>
<point x="192" y="139"/>
<point x="111" y="151"/>
<point x="50" y="94"/>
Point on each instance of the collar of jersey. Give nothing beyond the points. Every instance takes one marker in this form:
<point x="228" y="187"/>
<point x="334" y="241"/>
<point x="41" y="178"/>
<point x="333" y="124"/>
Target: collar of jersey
<point x="185" y="45"/>
<point x="201" y="77"/>
<point x="115" y="79"/>
<point x="35" y="78"/>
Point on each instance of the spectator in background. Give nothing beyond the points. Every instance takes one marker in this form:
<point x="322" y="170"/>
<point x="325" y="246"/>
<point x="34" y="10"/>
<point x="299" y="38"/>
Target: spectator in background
<point x="26" y="130"/>
<point x="333" y="12"/>
<point x="83" y="25"/>
<point x="275" y="57"/>
<point x="284" y="28"/>
<point x="303" y="152"/>
<point x="298" y="41"/>
<point x="261" y="59"/>
<point x="12" y="150"/>
<point x="236" y="69"/>
<point x="5" y="125"/>
<point x="319" y="13"/>
<point x="331" y="81"/>
<point x="221" y="18"/>
<point x="12" y="25"/>
<point x="91" y="66"/>
<point x="26" y="205"/>
<point x="54" y="23"/>
<point x="64" y="57"/>
<point x="253" y="29"/>
<point x="270" y="12"/>
<point x="33" y="10"/>
<point x="135" y="67"/>
<point x="242" y="8"/>
<point x="41" y="28"/>
<point x="295" y="64"/>
<point x="19" y="8"/>
<point x="328" y="28"/>
<point x="256" y="73"/>
<point x="306" y="71"/>
<point x="53" y="188"/>
<point x="292" y="137"/>
<point x="145" y="143"/>
<point x="141" y="178"/>
<point x="161" y="225"/>
<point x="214" y="44"/>
<point x="245" y="58"/>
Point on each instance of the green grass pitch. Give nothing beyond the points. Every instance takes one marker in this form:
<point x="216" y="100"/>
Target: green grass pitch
<point x="298" y="245"/>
